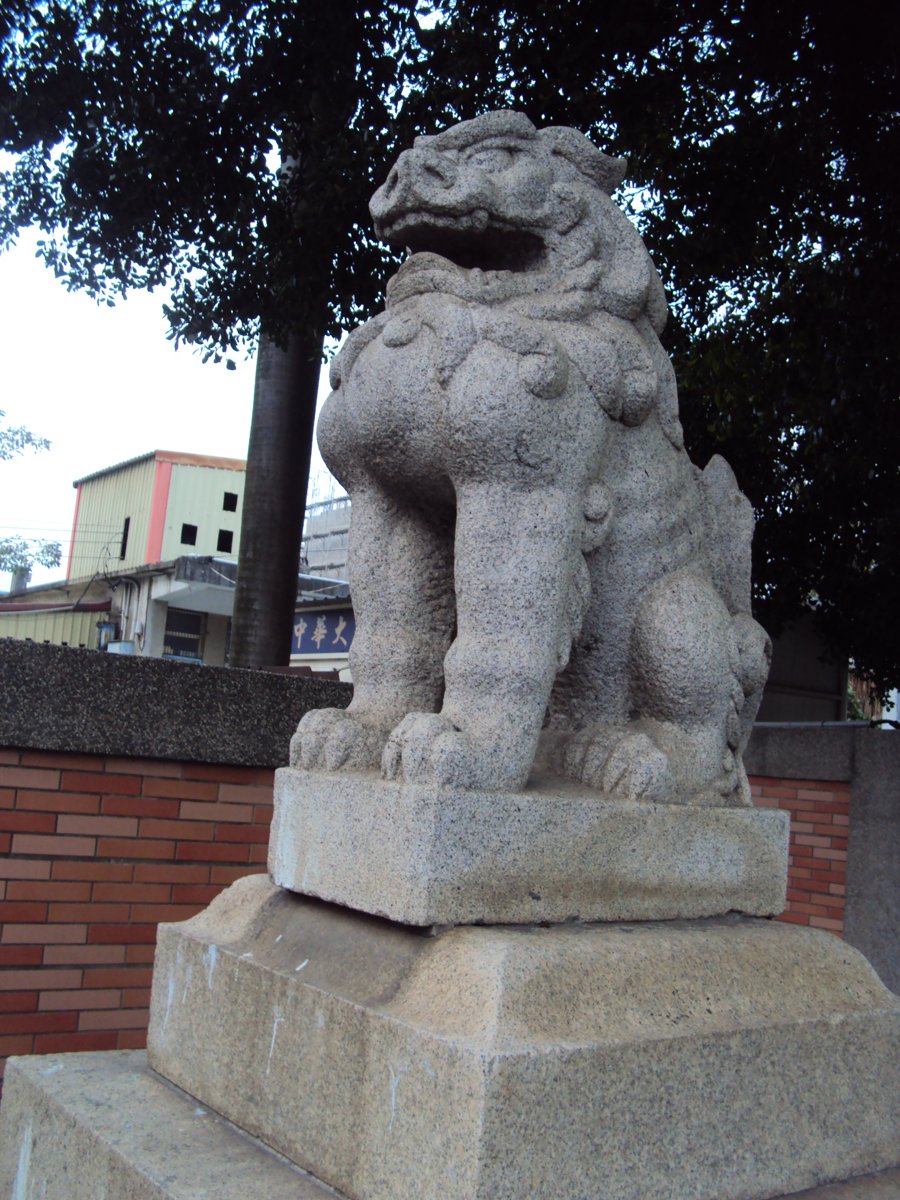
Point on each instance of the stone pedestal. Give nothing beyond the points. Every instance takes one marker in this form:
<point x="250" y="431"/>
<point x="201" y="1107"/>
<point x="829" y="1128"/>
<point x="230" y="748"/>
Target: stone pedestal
<point x="422" y="1058"/>
<point x="727" y="1059"/>
<point x="556" y="852"/>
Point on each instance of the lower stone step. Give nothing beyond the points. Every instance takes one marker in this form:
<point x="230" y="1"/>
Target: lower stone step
<point x="105" y="1127"/>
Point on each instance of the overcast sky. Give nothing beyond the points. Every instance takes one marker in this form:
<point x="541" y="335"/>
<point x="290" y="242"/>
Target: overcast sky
<point x="104" y="385"/>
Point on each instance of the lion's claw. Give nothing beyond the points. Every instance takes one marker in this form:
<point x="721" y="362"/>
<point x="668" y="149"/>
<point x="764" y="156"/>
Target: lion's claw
<point x="627" y="767"/>
<point x="421" y="748"/>
<point x="331" y="738"/>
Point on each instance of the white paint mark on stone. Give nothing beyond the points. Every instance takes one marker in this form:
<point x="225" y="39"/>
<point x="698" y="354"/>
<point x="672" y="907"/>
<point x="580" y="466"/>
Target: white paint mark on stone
<point x="52" y="1070"/>
<point x="320" y="1019"/>
<point x="396" y="1076"/>
<point x="199" y="1112"/>
<point x="210" y="957"/>
<point x="187" y="982"/>
<point x="302" y="965"/>
<point x="280" y="936"/>
<point x="23" y="1169"/>
<point x="170" y="996"/>
<point x="278" y="1019"/>
<point x="247" y="954"/>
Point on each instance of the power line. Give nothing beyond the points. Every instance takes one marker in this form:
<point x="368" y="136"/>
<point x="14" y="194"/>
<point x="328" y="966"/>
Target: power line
<point x="110" y="529"/>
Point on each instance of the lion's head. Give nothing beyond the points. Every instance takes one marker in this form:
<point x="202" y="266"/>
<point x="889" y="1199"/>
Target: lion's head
<point x="518" y="210"/>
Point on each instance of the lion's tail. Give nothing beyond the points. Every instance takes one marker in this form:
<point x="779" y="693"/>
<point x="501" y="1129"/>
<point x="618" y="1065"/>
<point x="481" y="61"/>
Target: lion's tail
<point x="728" y="533"/>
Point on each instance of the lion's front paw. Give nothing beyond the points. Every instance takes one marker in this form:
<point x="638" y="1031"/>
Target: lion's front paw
<point x="429" y="748"/>
<point x="330" y="738"/>
<point x="425" y="748"/>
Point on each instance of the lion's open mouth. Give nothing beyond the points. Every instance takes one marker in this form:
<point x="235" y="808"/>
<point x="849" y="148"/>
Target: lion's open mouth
<point x="470" y="241"/>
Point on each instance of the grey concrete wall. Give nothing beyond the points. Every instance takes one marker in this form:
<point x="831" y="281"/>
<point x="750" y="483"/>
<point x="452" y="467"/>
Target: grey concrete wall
<point x="869" y="759"/>
<point x="807" y="752"/>
<point x="81" y="701"/>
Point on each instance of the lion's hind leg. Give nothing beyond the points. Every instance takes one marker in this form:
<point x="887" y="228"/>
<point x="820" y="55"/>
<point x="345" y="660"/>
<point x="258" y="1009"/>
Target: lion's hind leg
<point x="685" y="683"/>
<point x="688" y="695"/>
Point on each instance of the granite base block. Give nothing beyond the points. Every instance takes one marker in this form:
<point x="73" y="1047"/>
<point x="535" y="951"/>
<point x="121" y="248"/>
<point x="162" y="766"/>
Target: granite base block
<point x="155" y="1143"/>
<point x="726" y="1059"/>
<point x="546" y="854"/>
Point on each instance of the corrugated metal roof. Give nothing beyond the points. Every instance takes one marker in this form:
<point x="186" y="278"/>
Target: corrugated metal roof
<point x="75" y="627"/>
<point x="12" y="606"/>
<point x="311" y="588"/>
<point x="169" y="456"/>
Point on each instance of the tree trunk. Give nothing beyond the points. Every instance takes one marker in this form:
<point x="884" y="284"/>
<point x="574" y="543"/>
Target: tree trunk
<point x="281" y="432"/>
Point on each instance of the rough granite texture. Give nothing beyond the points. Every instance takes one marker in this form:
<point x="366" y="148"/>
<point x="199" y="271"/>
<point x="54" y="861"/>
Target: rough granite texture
<point x="546" y="854"/>
<point x="85" y="702"/>
<point x="811" y="752"/>
<point x="105" y="1127"/>
<point x="733" y="1059"/>
<point x="508" y="431"/>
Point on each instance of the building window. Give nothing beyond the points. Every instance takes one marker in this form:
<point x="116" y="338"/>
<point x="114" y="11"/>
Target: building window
<point x="124" y="546"/>
<point x="189" y="535"/>
<point x="223" y="545"/>
<point x="184" y="635"/>
<point x="229" y="504"/>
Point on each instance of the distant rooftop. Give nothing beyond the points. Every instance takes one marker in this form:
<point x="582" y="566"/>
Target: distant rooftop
<point x="170" y="456"/>
<point x="188" y="568"/>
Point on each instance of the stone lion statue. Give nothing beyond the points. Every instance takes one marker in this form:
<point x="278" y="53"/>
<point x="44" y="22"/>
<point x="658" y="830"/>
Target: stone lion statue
<point x="541" y="578"/>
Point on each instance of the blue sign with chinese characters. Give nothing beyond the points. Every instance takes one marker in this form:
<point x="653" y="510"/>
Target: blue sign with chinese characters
<point x="328" y="632"/>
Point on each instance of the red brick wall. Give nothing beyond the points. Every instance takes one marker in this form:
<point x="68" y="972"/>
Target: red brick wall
<point x="95" y="851"/>
<point x="817" y="870"/>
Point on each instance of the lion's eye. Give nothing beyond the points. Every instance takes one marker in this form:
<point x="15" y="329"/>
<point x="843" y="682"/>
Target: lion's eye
<point x="491" y="158"/>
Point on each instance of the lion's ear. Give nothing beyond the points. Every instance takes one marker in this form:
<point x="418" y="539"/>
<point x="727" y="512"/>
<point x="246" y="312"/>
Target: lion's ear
<point x="600" y="168"/>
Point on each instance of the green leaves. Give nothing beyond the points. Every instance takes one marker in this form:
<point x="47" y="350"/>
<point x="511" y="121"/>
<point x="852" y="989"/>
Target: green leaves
<point x="143" y="130"/>
<point x="20" y="554"/>
<point x="16" y="439"/>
